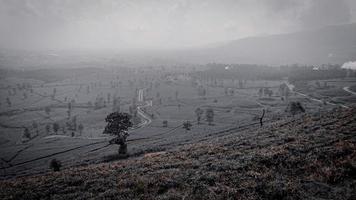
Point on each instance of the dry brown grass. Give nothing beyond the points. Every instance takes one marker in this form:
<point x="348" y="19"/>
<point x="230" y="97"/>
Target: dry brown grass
<point x="305" y="158"/>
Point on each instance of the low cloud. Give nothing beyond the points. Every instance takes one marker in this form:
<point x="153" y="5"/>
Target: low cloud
<point x="157" y="23"/>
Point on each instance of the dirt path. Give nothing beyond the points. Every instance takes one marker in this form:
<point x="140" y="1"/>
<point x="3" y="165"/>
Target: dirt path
<point x="291" y="88"/>
<point x="146" y="119"/>
<point x="347" y="89"/>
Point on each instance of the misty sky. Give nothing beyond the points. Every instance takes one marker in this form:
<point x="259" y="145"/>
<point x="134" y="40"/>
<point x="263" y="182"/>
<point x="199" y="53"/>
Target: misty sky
<point x="122" y="24"/>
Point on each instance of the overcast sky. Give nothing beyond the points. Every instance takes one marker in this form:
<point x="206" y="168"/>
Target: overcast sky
<point x="122" y="24"/>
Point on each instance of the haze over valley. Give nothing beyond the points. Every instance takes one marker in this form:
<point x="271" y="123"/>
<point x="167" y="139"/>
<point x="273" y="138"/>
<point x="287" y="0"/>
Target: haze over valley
<point x="177" y="99"/>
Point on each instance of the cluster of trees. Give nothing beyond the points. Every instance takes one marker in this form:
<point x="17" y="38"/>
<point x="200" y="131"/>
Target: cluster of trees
<point x="27" y="132"/>
<point x="229" y="91"/>
<point x="12" y="91"/>
<point x="265" y="92"/>
<point x="115" y="84"/>
<point x="209" y="115"/>
<point x="298" y="73"/>
<point x="295" y="72"/>
<point x="321" y="86"/>
<point x="70" y="125"/>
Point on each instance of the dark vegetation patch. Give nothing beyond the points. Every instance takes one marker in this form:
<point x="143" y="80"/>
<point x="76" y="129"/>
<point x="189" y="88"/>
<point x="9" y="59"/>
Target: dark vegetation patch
<point x="353" y="88"/>
<point x="49" y="75"/>
<point x="305" y="158"/>
<point x="334" y="92"/>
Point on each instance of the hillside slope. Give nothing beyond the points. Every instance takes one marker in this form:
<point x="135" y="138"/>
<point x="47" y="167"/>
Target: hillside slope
<point x="303" y="158"/>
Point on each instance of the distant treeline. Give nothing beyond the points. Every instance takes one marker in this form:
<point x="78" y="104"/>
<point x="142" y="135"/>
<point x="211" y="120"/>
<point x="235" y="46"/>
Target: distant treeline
<point x="48" y="75"/>
<point x="262" y="72"/>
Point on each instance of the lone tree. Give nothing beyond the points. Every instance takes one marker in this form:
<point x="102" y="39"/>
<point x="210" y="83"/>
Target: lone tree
<point x="55" y="128"/>
<point x="187" y="125"/>
<point x="8" y="101"/>
<point x="80" y="128"/>
<point x="165" y="123"/>
<point x="35" y="127"/>
<point x="47" y="110"/>
<point x="118" y="125"/>
<point x="199" y="112"/>
<point x="209" y="115"/>
<point x="26" y="133"/>
<point x="261" y="118"/>
<point x="48" y="128"/>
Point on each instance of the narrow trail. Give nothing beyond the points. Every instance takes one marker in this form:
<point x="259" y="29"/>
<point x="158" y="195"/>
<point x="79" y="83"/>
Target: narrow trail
<point x="291" y="88"/>
<point x="147" y="120"/>
<point x="347" y="89"/>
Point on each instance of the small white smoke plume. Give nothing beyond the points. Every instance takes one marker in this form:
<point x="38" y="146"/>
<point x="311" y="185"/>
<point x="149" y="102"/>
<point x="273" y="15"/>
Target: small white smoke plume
<point x="349" y="65"/>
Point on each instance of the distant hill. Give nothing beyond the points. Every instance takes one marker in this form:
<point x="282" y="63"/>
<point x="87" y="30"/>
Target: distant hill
<point x="307" y="157"/>
<point x="332" y="44"/>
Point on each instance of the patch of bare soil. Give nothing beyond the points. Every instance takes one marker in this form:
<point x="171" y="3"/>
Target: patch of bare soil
<point x="302" y="158"/>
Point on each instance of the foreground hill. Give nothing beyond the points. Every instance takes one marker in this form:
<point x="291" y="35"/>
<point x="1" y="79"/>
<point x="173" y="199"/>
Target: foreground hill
<point x="303" y="158"/>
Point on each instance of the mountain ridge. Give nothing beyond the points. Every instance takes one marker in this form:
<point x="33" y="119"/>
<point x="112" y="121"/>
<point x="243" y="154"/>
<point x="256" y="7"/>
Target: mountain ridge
<point x="332" y="44"/>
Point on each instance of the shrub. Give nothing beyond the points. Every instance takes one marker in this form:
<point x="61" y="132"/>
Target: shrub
<point x="55" y="165"/>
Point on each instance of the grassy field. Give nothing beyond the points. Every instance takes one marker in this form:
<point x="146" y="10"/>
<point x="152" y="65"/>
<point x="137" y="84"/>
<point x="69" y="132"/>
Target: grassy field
<point x="304" y="157"/>
<point x="174" y="99"/>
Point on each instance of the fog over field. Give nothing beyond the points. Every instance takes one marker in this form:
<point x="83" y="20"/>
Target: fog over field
<point x="177" y="99"/>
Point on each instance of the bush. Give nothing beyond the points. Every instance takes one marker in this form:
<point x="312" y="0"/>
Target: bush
<point x="165" y="123"/>
<point x="295" y="108"/>
<point x="55" y="165"/>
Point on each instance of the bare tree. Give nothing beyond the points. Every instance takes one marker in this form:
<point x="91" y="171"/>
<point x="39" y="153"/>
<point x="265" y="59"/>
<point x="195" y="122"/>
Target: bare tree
<point x="187" y="125"/>
<point x="26" y="133"/>
<point x="55" y="127"/>
<point x="47" y="110"/>
<point x="8" y="101"/>
<point x="80" y="128"/>
<point x="209" y="115"/>
<point x="199" y="112"/>
<point x="165" y="123"/>
<point x="48" y="128"/>
<point x="261" y="118"/>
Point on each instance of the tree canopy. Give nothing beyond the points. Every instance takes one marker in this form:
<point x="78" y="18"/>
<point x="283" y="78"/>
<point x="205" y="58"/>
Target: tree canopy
<point x="117" y="123"/>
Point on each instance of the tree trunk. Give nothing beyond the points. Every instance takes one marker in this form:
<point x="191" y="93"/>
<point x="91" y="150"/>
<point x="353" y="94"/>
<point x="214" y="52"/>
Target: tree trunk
<point x="261" y="118"/>
<point x="123" y="149"/>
